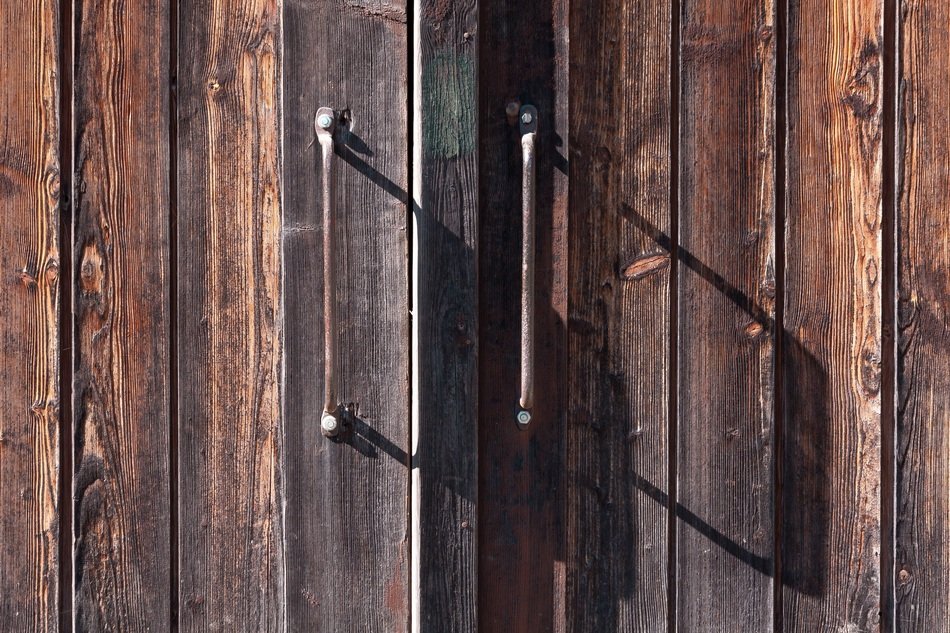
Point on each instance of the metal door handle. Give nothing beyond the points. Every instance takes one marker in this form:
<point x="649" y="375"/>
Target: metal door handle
<point x="528" y="121"/>
<point x="325" y="124"/>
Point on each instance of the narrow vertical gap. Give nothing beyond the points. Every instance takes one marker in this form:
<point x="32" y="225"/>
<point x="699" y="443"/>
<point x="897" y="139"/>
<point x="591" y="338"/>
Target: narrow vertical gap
<point x="414" y="39"/>
<point x="778" y="331"/>
<point x="891" y="165"/>
<point x="411" y="281"/>
<point x="173" y="313"/>
<point x="65" y="587"/>
<point x="672" y="458"/>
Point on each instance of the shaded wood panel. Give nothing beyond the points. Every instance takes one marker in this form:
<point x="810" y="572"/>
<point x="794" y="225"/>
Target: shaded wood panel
<point x="30" y="183"/>
<point x="445" y="316"/>
<point x="121" y="318"/>
<point x="620" y="241"/>
<point x="228" y="286"/>
<point x="923" y="384"/>
<point x="521" y="571"/>
<point x="726" y="299"/>
<point x="831" y="532"/>
<point x="347" y="521"/>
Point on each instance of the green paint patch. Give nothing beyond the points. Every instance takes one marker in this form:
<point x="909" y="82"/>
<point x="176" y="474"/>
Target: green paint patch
<point x="448" y="105"/>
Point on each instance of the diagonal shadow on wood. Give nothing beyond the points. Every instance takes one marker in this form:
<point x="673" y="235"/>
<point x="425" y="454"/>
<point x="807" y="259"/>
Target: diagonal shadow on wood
<point x="806" y="476"/>
<point x="804" y="487"/>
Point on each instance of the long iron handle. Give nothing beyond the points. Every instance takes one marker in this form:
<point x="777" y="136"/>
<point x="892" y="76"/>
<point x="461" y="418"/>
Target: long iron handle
<point x="324" y="124"/>
<point x="528" y="120"/>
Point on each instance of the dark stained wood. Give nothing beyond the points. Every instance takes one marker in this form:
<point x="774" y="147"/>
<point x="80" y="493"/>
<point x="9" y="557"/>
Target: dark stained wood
<point x="29" y="303"/>
<point x="445" y="312"/>
<point x="923" y="439"/>
<point x="229" y="225"/>
<point x="617" y="427"/>
<point x="347" y="541"/>
<point x="832" y="350"/>
<point x="121" y="322"/>
<point x="726" y="299"/>
<point x="521" y="572"/>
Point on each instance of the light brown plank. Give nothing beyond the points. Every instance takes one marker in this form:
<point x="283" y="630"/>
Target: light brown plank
<point x="230" y="544"/>
<point x="29" y="303"/>
<point x="832" y="352"/>
<point x="121" y="318"/>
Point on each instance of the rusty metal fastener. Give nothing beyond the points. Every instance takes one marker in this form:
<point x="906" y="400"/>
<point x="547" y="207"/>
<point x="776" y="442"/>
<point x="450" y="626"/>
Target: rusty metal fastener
<point x="330" y="425"/>
<point x="324" y="124"/>
<point x="511" y="111"/>
<point x="529" y="133"/>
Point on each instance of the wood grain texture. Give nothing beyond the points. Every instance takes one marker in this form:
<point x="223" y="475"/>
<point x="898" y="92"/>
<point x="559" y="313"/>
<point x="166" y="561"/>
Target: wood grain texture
<point x="122" y="321"/>
<point x="445" y="312"/>
<point x="726" y="310"/>
<point x="230" y="543"/>
<point x="923" y="439"/>
<point x="347" y="511"/>
<point x="832" y="368"/>
<point x="617" y="429"/>
<point x="521" y="577"/>
<point x="29" y="303"/>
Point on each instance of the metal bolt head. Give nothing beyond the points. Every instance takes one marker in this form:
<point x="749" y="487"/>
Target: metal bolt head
<point x="526" y="118"/>
<point x="523" y="418"/>
<point x="325" y="121"/>
<point x="330" y="425"/>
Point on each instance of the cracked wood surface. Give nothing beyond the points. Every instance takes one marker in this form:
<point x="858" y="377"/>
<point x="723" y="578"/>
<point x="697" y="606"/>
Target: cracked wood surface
<point x="121" y="319"/>
<point x="832" y="365"/>
<point x="922" y="562"/>
<point x="617" y="431"/>
<point x="228" y="285"/>
<point x="30" y="184"/>
<point x="726" y="299"/>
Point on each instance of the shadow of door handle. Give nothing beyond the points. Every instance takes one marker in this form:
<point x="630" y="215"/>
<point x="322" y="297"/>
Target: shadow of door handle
<point x="528" y="122"/>
<point x="325" y="124"/>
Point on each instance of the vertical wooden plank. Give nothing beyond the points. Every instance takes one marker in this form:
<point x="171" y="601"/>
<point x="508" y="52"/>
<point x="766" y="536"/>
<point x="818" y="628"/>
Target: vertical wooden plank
<point x="346" y="505"/>
<point x="445" y="312"/>
<point x="923" y="385"/>
<point x="121" y="318"/>
<point x="230" y="540"/>
<point x="520" y="502"/>
<point x="832" y="350"/>
<point x="617" y="424"/>
<point x="726" y="316"/>
<point x="29" y="336"/>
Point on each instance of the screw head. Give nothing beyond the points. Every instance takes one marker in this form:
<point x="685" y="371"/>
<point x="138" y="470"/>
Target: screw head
<point x="325" y="121"/>
<point x="329" y="425"/>
<point x="526" y="118"/>
<point x="523" y="418"/>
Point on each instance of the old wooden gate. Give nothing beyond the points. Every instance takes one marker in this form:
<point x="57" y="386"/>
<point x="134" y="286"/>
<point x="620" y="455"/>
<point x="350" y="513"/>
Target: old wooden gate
<point x="728" y="317"/>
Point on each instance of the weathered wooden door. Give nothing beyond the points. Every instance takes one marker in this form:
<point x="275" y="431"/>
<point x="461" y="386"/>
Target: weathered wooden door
<point x="742" y="246"/>
<point x="264" y="371"/>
